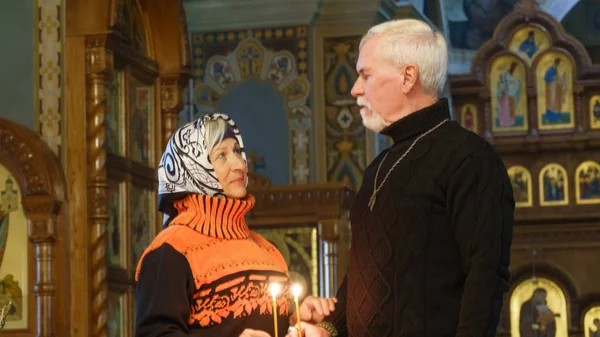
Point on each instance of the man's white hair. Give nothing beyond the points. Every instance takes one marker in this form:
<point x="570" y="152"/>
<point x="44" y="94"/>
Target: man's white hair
<point x="411" y="41"/>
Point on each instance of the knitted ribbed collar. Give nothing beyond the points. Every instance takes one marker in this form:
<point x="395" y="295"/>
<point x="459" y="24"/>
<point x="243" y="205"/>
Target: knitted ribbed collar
<point x="418" y="121"/>
<point x="212" y="216"/>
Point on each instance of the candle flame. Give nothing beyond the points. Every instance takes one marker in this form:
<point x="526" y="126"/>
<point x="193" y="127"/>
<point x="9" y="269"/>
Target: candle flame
<point x="296" y="290"/>
<point x="275" y="289"/>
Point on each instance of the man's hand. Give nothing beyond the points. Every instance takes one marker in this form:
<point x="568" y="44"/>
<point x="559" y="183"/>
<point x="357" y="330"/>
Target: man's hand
<point x="254" y="333"/>
<point x="308" y="330"/>
<point x="314" y="309"/>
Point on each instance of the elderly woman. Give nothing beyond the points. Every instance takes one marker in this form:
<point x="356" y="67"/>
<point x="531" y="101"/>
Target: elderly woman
<point x="206" y="273"/>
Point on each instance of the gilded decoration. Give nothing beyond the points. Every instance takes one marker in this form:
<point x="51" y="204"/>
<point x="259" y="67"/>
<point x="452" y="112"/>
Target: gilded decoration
<point x="553" y="185"/>
<point x="522" y="185"/>
<point x="468" y="117"/>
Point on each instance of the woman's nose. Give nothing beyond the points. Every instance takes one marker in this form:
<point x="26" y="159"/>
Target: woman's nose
<point x="237" y="163"/>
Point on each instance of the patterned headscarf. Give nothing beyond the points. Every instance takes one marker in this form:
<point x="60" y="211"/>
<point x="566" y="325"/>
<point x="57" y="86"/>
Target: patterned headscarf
<point x="185" y="167"/>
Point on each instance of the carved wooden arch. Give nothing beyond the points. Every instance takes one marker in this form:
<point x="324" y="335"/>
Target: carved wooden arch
<point x="475" y="87"/>
<point x="42" y="184"/>
<point x="525" y="17"/>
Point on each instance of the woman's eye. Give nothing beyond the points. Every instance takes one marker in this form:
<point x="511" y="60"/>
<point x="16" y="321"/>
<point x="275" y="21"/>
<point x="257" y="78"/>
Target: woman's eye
<point x="237" y="150"/>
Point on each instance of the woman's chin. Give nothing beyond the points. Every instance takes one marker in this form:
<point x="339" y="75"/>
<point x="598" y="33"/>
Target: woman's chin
<point x="237" y="192"/>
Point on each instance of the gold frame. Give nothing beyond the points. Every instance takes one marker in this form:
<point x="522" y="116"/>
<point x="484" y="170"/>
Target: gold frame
<point x="496" y="69"/>
<point x="28" y="308"/>
<point x="463" y="110"/>
<point x="596" y="125"/>
<point x="588" y="319"/>
<point x="581" y="166"/>
<point x="541" y="89"/>
<point x="518" y="36"/>
<point x="541" y="185"/>
<point x="556" y="298"/>
<point x="529" y="202"/>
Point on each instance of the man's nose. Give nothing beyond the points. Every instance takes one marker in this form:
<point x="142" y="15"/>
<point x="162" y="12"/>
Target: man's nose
<point x="357" y="89"/>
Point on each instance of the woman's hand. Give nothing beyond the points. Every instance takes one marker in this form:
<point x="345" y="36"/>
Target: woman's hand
<point x="314" y="309"/>
<point x="254" y="333"/>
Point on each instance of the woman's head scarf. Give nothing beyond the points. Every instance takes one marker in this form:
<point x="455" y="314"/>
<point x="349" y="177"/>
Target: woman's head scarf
<point x="185" y="167"/>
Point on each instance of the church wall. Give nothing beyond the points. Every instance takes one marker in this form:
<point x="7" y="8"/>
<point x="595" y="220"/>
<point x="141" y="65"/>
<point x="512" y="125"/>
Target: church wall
<point x="344" y="145"/>
<point x="260" y="78"/>
<point x="16" y="62"/>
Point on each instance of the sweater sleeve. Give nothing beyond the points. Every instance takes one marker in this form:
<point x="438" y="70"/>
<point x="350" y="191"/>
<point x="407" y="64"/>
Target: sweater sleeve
<point x="338" y="317"/>
<point x="481" y="207"/>
<point x="163" y="294"/>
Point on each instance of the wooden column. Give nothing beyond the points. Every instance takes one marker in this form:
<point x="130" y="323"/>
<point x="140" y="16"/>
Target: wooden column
<point x="41" y="228"/>
<point x="98" y="67"/>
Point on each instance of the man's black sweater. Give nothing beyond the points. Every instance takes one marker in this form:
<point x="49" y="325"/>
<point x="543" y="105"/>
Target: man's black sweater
<point x="432" y="257"/>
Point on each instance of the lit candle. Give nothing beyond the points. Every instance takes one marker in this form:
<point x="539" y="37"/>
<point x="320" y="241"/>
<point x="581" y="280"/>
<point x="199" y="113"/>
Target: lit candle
<point x="275" y="289"/>
<point x="296" y="291"/>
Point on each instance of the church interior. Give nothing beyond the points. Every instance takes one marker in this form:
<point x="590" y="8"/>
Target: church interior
<point x="93" y="90"/>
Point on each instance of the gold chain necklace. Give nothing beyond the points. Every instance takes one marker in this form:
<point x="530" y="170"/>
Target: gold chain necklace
<point x="376" y="189"/>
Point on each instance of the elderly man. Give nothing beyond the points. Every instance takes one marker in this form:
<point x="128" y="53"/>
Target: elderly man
<point x="432" y="222"/>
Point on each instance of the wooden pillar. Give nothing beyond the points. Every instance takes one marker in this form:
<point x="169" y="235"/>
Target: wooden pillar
<point x="98" y="67"/>
<point x="41" y="227"/>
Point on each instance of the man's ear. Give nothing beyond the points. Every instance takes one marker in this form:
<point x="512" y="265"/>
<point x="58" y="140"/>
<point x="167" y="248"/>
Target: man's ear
<point x="411" y="75"/>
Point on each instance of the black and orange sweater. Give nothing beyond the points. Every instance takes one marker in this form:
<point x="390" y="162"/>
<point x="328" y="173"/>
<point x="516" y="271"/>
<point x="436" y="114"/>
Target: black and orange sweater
<point x="207" y="274"/>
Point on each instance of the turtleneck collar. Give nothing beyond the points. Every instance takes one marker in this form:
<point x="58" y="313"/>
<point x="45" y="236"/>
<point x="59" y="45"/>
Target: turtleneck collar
<point x="221" y="218"/>
<point x="418" y="121"/>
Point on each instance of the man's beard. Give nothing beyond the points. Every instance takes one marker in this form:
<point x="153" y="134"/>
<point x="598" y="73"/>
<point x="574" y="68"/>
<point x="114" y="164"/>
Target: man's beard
<point x="373" y="122"/>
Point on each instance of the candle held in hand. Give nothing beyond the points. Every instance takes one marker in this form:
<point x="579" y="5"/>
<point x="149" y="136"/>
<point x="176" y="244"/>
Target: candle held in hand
<point x="275" y="289"/>
<point x="296" y="291"/>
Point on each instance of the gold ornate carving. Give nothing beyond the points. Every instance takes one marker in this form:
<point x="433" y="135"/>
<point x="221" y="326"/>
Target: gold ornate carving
<point x="99" y="64"/>
<point x="40" y="176"/>
<point x="172" y="97"/>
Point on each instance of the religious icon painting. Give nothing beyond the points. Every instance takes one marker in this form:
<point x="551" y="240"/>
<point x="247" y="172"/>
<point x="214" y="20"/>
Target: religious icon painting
<point x="14" y="253"/>
<point x="116" y="308"/>
<point x="113" y="121"/>
<point x="591" y="322"/>
<point x="520" y="179"/>
<point x="529" y="42"/>
<point x="116" y="228"/>
<point x="508" y="92"/>
<point x="595" y="112"/>
<point x="554" y="186"/>
<point x="587" y="183"/>
<point x="538" y="307"/>
<point x="554" y="82"/>
<point x="141" y="121"/>
<point x="141" y="222"/>
<point x="299" y="248"/>
<point x="468" y="117"/>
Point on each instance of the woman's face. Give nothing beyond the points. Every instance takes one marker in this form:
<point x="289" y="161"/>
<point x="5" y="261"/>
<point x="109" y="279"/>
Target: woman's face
<point x="230" y="168"/>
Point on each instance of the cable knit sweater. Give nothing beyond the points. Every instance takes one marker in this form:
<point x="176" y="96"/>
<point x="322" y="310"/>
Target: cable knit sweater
<point x="432" y="257"/>
<point x="207" y="274"/>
